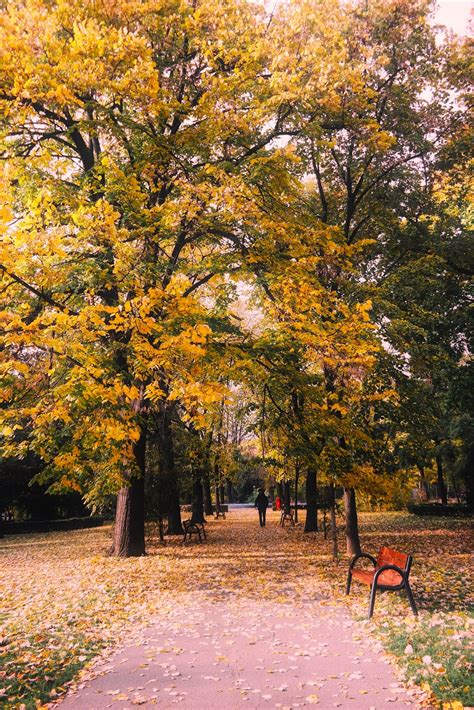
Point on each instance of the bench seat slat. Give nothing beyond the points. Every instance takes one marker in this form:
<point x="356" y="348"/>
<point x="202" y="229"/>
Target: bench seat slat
<point x="389" y="578"/>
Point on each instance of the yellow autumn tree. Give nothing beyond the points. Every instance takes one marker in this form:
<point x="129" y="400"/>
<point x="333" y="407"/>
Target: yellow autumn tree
<point x="132" y="134"/>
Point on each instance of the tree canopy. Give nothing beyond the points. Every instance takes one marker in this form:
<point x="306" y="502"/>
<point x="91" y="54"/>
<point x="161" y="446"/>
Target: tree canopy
<point x="202" y="199"/>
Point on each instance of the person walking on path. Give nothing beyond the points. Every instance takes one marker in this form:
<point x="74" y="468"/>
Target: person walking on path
<point x="261" y="502"/>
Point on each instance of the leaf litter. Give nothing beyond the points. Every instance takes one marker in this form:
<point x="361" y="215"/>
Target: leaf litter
<point x="64" y="602"/>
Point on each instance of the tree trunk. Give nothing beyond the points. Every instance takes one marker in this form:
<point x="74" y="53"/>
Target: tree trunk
<point x="311" y="524"/>
<point x="332" y="508"/>
<point x="442" y="494"/>
<point x="352" y="525"/>
<point x="168" y="472"/>
<point x="297" y="478"/>
<point x="198" y="501"/>
<point x="424" y="490"/>
<point x="230" y="493"/>
<point x="217" y="497"/>
<point x="129" y="530"/>
<point x="206" y="484"/>
<point x="287" y="497"/>
<point x="222" y="494"/>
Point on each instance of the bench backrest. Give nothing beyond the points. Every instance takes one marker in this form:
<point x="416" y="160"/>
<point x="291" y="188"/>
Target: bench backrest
<point x="387" y="556"/>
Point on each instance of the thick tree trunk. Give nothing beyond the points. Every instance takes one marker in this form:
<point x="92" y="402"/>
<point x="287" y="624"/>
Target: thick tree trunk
<point x="332" y="508"/>
<point x="206" y="485"/>
<point x="230" y="492"/>
<point x="352" y="525"/>
<point x="198" y="501"/>
<point x="442" y="494"/>
<point x="129" y="530"/>
<point x="222" y="494"/>
<point x="311" y="524"/>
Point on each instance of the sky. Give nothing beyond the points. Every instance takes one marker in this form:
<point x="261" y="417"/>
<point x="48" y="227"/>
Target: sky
<point x="455" y="14"/>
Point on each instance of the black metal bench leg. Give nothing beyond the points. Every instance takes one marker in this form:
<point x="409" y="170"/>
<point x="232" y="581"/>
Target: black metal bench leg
<point x="373" y="590"/>
<point x="349" y="580"/>
<point x="411" y="598"/>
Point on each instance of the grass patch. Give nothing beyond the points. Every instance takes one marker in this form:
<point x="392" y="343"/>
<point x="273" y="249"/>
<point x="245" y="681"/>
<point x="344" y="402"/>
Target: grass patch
<point x="435" y="654"/>
<point x="41" y="674"/>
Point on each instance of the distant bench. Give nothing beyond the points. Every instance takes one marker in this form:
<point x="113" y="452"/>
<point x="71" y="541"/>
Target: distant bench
<point x="220" y="510"/>
<point x="391" y="573"/>
<point x="193" y="528"/>
<point x="287" y="516"/>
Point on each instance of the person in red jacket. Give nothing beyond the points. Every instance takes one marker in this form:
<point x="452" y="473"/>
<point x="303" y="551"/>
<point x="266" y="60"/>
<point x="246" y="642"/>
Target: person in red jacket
<point x="261" y="502"/>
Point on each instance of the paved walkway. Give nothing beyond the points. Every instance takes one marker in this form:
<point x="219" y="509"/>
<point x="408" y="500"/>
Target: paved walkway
<point x="239" y="651"/>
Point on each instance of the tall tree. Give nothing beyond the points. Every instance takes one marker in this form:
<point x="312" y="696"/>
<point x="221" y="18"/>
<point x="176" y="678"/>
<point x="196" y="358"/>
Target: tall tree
<point x="127" y="130"/>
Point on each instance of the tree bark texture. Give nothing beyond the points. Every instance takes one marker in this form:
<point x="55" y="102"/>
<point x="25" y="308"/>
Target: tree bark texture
<point x="352" y="525"/>
<point x="129" y="530"/>
<point x="311" y="524"/>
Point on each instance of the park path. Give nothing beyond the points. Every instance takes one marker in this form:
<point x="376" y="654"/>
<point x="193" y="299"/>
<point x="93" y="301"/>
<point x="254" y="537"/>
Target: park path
<point x="242" y="644"/>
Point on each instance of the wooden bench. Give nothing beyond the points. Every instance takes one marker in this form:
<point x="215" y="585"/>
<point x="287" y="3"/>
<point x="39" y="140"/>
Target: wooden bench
<point x="193" y="528"/>
<point x="391" y="573"/>
<point x="221" y="510"/>
<point x="287" y="515"/>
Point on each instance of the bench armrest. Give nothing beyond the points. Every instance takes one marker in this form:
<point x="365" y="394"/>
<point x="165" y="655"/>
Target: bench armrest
<point x="359" y="556"/>
<point x="383" y="568"/>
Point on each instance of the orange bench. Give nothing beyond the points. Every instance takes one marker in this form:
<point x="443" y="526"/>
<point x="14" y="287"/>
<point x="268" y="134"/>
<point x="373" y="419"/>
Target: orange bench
<point x="391" y="573"/>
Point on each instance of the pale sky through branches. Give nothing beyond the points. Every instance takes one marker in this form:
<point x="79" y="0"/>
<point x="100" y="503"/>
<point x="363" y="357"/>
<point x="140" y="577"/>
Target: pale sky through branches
<point x="455" y="14"/>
